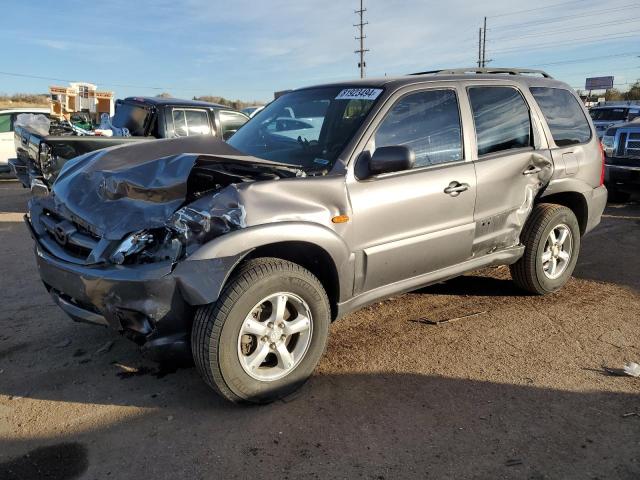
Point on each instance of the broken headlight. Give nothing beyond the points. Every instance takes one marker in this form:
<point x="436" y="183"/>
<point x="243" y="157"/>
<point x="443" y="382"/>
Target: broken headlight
<point x="195" y="226"/>
<point x="147" y="247"/>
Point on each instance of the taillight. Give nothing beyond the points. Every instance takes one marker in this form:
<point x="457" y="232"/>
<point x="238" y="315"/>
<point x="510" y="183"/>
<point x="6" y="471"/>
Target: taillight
<point x="602" y="171"/>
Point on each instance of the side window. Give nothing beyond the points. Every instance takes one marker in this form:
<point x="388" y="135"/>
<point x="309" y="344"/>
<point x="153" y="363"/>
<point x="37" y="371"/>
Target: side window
<point x="230" y="122"/>
<point x="179" y="123"/>
<point x="188" y="122"/>
<point x="501" y="117"/>
<point x="564" y="115"/>
<point x="5" y="123"/>
<point x="429" y="123"/>
<point x="197" y="122"/>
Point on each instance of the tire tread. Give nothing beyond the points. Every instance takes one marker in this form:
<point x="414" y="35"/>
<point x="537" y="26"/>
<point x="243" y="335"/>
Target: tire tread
<point x="523" y="272"/>
<point x="209" y="320"/>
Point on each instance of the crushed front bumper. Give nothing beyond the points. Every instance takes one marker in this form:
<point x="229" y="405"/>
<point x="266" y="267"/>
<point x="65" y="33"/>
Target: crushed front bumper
<point x="152" y="304"/>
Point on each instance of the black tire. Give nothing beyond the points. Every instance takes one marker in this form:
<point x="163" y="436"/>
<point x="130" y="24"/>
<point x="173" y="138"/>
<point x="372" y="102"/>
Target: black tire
<point x="216" y="327"/>
<point x="528" y="272"/>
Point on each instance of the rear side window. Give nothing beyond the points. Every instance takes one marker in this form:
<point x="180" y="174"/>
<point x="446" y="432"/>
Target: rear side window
<point x="564" y="116"/>
<point x="501" y="117"/>
<point x="427" y="122"/>
<point x="230" y="122"/>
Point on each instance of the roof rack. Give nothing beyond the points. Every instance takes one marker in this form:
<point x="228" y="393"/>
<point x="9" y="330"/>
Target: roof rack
<point x="473" y="70"/>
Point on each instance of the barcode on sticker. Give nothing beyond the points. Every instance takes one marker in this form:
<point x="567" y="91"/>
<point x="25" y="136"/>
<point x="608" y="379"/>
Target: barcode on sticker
<point x="359" y="94"/>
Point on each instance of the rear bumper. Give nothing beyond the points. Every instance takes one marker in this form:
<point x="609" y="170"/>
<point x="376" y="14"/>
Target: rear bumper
<point x="20" y="170"/>
<point x="597" y="204"/>
<point x="23" y="171"/>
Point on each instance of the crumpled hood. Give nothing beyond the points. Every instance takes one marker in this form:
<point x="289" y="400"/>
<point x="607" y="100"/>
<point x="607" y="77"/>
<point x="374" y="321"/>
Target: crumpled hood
<point x="124" y="189"/>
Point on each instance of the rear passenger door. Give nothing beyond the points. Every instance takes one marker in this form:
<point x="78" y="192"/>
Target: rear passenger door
<point x="413" y="222"/>
<point x="512" y="164"/>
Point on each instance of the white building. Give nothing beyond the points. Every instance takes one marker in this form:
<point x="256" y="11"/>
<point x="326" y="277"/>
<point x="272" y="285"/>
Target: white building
<point x="80" y="97"/>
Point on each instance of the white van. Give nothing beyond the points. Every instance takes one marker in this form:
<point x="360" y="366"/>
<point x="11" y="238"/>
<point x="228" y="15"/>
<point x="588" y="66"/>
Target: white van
<point x="7" y="119"/>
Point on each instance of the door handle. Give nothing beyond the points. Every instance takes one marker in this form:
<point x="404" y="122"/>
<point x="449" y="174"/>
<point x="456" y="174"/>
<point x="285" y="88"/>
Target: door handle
<point x="532" y="170"/>
<point x="456" y="188"/>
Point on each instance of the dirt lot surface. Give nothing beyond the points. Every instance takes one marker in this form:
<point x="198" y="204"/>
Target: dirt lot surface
<point x="517" y="391"/>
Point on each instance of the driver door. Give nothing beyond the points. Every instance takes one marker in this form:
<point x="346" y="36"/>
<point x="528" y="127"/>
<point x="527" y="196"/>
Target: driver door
<point x="413" y="222"/>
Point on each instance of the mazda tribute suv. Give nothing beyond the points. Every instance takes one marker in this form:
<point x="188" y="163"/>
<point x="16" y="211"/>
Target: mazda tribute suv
<point x="240" y="254"/>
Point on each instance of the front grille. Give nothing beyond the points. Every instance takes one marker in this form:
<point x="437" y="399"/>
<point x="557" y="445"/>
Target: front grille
<point x="622" y="144"/>
<point x="628" y="144"/>
<point x="72" y="238"/>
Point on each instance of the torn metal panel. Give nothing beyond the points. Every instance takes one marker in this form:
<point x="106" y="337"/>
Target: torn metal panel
<point x="502" y="229"/>
<point x="120" y="190"/>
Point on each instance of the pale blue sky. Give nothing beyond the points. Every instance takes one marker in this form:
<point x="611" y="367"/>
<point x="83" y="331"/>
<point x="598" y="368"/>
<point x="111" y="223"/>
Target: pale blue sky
<point x="249" y="49"/>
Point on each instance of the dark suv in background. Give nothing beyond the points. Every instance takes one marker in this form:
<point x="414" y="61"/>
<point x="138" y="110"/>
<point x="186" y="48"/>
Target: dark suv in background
<point x="41" y="157"/>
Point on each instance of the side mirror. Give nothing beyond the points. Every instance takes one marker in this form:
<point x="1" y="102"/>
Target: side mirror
<point x="228" y="134"/>
<point x="389" y="159"/>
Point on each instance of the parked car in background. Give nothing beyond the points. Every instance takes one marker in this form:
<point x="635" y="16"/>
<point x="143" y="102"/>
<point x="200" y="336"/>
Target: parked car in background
<point x="251" y="111"/>
<point x="39" y="158"/>
<point x="7" y="120"/>
<point x="241" y="254"/>
<point x="610" y="115"/>
<point x="622" y="149"/>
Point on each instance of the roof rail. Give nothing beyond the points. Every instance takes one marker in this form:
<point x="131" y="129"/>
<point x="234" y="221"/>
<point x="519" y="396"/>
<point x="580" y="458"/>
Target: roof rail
<point x="474" y="70"/>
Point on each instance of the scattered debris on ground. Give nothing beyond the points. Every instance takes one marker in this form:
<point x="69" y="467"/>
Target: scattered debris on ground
<point x="63" y="344"/>
<point x="631" y="369"/>
<point x="105" y="348"/>
<point x="429" y="321"/>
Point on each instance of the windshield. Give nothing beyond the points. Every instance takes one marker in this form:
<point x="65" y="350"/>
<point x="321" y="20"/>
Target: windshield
<point x="131" y="117"/>
<point x="608" y="114"/>
<point x="307" y="128"/>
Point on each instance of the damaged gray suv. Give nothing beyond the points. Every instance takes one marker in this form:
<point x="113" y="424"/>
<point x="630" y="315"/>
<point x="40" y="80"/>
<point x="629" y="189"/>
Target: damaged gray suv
<point x="240" y="254"/>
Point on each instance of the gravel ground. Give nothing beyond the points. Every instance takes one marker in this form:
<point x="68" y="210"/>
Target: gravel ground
<point x="517" y="391"/>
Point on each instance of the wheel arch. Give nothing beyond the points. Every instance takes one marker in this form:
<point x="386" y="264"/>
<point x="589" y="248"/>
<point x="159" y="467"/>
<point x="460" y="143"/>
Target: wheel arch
<point x="314" y="247"/>
<point x="574" y="201"/>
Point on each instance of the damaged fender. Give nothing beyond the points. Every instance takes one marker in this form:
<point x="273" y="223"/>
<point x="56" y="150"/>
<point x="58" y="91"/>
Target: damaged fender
<point x="238" y="244"/>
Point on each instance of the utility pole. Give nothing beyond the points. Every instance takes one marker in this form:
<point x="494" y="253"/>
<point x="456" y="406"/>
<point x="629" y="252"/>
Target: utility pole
<point x="479" y="47"/>
<point x="361" y="51"/>
<point x="484" y="43"/>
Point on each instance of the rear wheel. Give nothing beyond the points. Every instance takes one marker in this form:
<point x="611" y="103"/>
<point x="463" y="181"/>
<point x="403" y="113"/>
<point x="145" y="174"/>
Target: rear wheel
<point x="551" y="238"/>
<point x="264" y="336"/>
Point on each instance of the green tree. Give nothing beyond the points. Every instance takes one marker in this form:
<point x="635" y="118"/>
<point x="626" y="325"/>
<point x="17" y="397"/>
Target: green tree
<point x="634" y="92"/>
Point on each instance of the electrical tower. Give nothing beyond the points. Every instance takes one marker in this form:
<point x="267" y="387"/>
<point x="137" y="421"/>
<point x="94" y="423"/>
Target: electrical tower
<point x="361" y="51"/>
<point x="482" y="46"/>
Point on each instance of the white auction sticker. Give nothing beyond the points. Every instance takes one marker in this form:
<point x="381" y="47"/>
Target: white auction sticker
<point x="359" y="94"/>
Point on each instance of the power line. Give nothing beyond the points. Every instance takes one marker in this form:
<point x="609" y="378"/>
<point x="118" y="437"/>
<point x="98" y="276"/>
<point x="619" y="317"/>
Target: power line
<point x="581" y="40"/>
<point x="580" y="60"/>
<point x="585" y="27"/>
<point x="560" y="19"/>
<point x="38" y="77"/>
<point x="535" y="9"/>
<point x="361" y="51"/>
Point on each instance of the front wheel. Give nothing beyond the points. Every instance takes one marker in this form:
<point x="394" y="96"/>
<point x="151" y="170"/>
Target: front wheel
<point x="551" y="238"/>
<point x="266" y="333"/>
